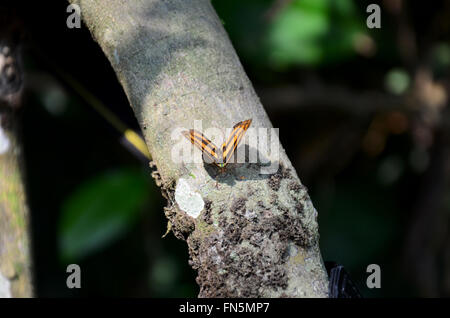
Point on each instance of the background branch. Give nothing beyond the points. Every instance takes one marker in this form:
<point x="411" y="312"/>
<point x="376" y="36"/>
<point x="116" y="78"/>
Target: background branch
<point x="15" y="259"/>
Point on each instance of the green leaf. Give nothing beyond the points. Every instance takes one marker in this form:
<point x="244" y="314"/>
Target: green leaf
<point x="313" y="32"/>
<point x="298" y="32"/>
<point x="100" y="210"/>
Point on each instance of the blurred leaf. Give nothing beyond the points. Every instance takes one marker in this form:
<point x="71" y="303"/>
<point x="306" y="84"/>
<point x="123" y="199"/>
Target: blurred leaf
<point x="308" y="32"/>
<point x="100" y="210"/>
<point x="295" y="34"/>
<point x="314" y="32"/>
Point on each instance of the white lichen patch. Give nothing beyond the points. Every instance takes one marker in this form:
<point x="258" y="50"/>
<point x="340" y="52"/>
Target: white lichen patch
<point x="292" y="250"/>
<point x="5" y="287"/>
<point x="187" y="199"/>
<point x="4" y="142"/>
<point x="250" y="215"/>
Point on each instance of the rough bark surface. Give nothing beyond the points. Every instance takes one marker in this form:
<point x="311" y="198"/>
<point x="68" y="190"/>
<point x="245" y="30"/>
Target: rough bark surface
<point x="256" y="235"/>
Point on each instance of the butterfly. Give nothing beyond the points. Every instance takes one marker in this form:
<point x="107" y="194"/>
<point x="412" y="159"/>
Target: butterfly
<point x="219" y="156"/>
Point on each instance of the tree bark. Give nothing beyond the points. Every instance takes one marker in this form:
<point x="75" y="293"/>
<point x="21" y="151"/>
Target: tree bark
<point x="256" y="235"/>
<point x="15" y="258"/>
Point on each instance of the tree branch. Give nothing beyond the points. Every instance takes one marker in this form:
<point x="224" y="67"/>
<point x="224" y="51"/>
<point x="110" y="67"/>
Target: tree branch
<point x="15" y="259"/>
<point x="256" y="235"/>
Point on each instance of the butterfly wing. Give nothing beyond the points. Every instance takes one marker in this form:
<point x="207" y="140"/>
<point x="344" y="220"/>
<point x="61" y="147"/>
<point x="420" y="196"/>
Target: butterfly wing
<point x="202" y="143"/>
<point x="233" y="141"/>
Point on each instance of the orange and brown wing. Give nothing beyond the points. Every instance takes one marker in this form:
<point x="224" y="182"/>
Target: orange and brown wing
<point x="233" y="141"/>
<point x="202" y="143"/>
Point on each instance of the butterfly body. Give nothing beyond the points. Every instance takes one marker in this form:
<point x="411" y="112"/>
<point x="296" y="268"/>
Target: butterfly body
<point x="219" y="156"/>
